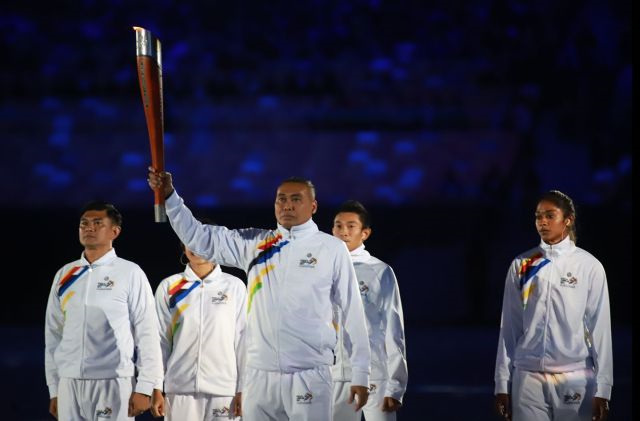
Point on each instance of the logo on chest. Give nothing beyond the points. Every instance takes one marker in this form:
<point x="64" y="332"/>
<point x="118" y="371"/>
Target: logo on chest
<point x="364" y="289"/>
<point x="569" y="281"/>
<point x="309" y="262"/>
<point x="221" y="298"/>
<point x="106" y="284"/>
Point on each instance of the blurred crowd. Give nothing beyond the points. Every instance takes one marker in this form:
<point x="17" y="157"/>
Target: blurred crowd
<point x="405" y="102"/>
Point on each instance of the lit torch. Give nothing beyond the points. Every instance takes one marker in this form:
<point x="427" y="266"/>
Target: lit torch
<point x="149" y="57"/>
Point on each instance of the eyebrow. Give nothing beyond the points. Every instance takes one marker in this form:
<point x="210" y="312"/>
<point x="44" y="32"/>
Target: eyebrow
<point x="544" y="212"/>
<point x="292" y="195"/>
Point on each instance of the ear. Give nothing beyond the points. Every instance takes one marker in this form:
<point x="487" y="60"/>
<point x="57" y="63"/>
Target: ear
<point x="314" y="207"/>
<point x="366" y="233"/>
<point x="115" y="230"/>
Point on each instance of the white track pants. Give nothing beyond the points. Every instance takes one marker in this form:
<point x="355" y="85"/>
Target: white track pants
<point x="342" y="411"/>
<point x="198" y="407"/>
<point x="106" y="399"/>
<point x="301" y="396"/>
<point x="552" y="397"/>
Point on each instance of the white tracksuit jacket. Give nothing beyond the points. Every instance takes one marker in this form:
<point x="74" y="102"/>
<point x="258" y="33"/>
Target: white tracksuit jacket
<point x="294" y="276"/>
<point x="96" y="314"/>
<point x="555" y="316"/>
<point x="383" y="308"/>
<point x="201" y="332"/>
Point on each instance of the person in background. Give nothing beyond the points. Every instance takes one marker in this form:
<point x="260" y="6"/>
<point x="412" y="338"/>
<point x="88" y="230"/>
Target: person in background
<point x="101" y="313"/>
<point x="554" y="359"/>
<point x="202" y="313"/>
<point x="383" y="308"/>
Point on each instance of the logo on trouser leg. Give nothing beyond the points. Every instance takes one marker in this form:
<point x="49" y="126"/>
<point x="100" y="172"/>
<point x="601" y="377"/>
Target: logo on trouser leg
<point x="306" y="398"/>
<point x="372" y="389"/>
<point x="221" y="412"/>
<point x="104" y="413"/>
<point x="572" y="399"/>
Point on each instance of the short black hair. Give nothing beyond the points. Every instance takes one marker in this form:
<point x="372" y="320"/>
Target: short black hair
<point x="100" y="205"/>
<point x="302" y="180"/>
<point x="358" y="208"/>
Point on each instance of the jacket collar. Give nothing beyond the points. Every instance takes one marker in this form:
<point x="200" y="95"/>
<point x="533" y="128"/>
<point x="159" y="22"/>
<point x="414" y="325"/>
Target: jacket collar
<point x="299" y="231"/>
<point x="555" y="250"/>
<point x="104" y="260"/>
<point x="360" y="254"/>
<point x="190" y="275"/>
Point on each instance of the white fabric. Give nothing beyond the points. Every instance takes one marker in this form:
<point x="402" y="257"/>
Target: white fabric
<point x="385" y="324"/>
<point x="198" y="407"/>
<point x="294" y="278"/>
<point x="201" y="330"/>
<point x="343" y="411"/>
<point x="94" y="321"/>
<point x="552" y="396"/>
<point x="94" y="399"/>
<point x="300" y="396"/>
<point x="564" y="324"/>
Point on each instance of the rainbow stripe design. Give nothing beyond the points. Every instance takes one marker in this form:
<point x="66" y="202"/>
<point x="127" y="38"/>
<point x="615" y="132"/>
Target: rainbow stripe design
<point x="179" y="290"/>
<point x="175" y="320"/>
<point x="69" y="278"/>
<point x="269" y="247"/>
<point x="528" y="269"/>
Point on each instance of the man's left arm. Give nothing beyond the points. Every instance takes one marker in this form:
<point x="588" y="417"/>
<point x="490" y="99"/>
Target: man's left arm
<point x="146" y="336"/>
<point x="346" y="295"/>
<point x="397" y="373"/>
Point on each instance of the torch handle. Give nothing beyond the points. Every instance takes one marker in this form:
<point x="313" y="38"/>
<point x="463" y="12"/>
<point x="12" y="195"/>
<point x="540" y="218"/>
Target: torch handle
<point x="150" y="78"/>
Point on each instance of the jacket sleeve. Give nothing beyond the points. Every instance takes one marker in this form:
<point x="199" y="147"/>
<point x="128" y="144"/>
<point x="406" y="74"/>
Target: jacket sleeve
<point x="213" y="242"/>
<point x="241" y="323"/>
<point x="346" y="296"/>
<point x="144" y="322"/>
<point x="397" y="374"/>
<point x="510" y="331"/>
<point x="53" y="326"/>
<point x="598" y="324"/>
<point x="164" y="321"/>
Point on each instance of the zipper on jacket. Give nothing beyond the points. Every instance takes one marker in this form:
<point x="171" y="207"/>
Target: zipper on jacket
<point x="199" y="335"/>
<point x="84" y="318"/>
<point x="285" y="262"/>
<point x="546" y="312"/>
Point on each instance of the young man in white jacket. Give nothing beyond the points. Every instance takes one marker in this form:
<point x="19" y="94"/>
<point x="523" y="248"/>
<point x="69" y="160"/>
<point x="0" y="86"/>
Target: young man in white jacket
<point x="100" y="310"/>
<point x="554" y="359"/>
<point x="295" y="275"/>
<point x="202" y="313"/>
<point x="383" y="308"/>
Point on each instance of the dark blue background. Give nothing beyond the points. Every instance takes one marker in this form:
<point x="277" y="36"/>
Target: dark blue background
<point x="446" y="119"/>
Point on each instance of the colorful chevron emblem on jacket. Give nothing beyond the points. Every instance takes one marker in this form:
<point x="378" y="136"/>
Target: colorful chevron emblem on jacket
<point x="528" y="269"/>
<point x="70" y="277"/>
<point x="269" y="247"/>
<point x="179" y="290"/>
